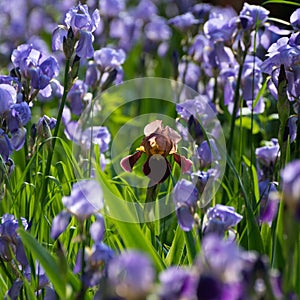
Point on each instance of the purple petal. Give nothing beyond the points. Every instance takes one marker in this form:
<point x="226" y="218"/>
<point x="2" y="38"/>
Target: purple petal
<point x="97" y="229"/>
<point x="59" y="224"/>
<point x="18" y="138"/>
<point x="86" y="199"/>
<point x="185" y="218"/>
<point x="85" y="45"/>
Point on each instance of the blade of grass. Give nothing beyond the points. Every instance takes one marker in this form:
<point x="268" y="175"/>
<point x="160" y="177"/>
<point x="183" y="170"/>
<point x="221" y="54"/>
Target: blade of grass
<point x="47" y="261"/>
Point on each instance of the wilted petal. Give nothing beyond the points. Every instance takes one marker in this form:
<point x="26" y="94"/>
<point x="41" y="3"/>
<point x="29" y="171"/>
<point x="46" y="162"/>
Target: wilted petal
<point x="59" y="224"/>
<point x="129" y="161"/>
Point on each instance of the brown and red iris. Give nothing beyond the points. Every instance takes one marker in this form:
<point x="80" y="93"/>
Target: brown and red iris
<point x="158" y="143"/>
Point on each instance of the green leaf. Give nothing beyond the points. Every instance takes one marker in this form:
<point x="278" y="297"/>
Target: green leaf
<point x="177" y="248"/>
<point x="253" y="233"/>
<point x="131" y="232"/>
<point x="280" y="2"/>
<point x="261" y="91"/>
<point x="246" y="123"/>
<point x="47" y="261"/>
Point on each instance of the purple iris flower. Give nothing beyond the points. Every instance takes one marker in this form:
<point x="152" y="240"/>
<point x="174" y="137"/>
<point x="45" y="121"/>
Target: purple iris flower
<point x="284" y="52"/>
<point x="41" y="75"/>
<point x="76" y="96"/>
<point x="126" y="29"/>
<point x="207" y="153"/>
<point x="183" y="22"/>
<point x="185" y="196"/>
<point x="269" y="201"/>
<point x="19" y="116"/>
<point x="292" y="124"/>
<point x="109" y="58"/>
<point x="252" y="15"/>
<point x="83" y="25"/>
<point x="59" y="224"/>
<point x="10" y="242"/>
<point x="189" y="73"/>
<point x="220" y="28"/>
<point x="201" y="11"/>
<point x="251" y="83"/>
<point x="290" y="182"/>
<point x="267" y="155"/>
<point x="106" y="60"/>
<point x="145" y="10"/>
<point x="18" y="138"/>
<point x="97" y="229"/>
<point x="196" y="50"/>
<point x="98" y="135"/>
<point x="131" y="274"/>
<point x="219" y="219"/>
<point x="295" y="19"/>
<point x="111" y="8"/>
<point x="35" y="66"/>
<point x="8" y="97"/>
<point x="5" y="146"/>
<point x="86" y="199"/>
<point x="157" y="30"/>
<point x="200" y="178"/>
<point x="97" y="259"/>
<point x="177" y="283"/>
<point x="220" y="267"/>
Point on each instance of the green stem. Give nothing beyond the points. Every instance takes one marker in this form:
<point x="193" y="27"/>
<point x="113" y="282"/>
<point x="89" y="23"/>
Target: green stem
<point x="235" y="105"/>
<point x="43" y="196"/>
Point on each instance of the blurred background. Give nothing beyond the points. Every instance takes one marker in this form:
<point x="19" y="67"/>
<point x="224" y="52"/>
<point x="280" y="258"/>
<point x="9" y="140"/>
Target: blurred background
<point x="281" y="11"/>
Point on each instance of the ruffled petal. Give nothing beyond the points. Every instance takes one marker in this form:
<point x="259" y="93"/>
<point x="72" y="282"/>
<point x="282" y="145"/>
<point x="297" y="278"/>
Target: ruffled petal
<point x="183" y="162"/>
<point x="129" y="161"/>
<point x="157" y="168"/>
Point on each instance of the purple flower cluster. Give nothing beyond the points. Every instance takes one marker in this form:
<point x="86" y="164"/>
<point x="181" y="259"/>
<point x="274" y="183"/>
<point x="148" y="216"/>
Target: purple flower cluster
<point x="78" y="21"/>
<point x="31" y="78"/>
<point x="221" y="271"/>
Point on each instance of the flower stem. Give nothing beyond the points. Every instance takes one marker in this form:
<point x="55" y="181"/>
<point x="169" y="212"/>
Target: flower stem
<point x="55" y="135"/>
<point x="235" y="105"/>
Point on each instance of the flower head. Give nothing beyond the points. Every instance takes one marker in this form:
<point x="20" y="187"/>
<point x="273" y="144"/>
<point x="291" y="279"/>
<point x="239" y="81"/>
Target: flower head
<point x="251" y="15"/>
<point x="295" y="19"/>
<point x="220" y="218"/>
<point x="158" y="143"/>
<point x="177" y="283"/>
<point x="86" y="199"/>
<point x="290" y="177"/>
<point x="131" y="274"/>
<point x="82" y="24"/>
<point x="185" y="198"/>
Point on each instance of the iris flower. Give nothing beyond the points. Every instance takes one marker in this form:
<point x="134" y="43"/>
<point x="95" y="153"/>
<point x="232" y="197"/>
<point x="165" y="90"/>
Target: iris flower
<point x="158" y="143"/>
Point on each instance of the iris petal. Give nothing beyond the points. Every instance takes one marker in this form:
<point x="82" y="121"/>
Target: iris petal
<point x="129" y="161"/>
<point x="183" y="162"/>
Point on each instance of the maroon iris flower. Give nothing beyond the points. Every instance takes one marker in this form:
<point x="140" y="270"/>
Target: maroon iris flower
<point x="158" y="143"/>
